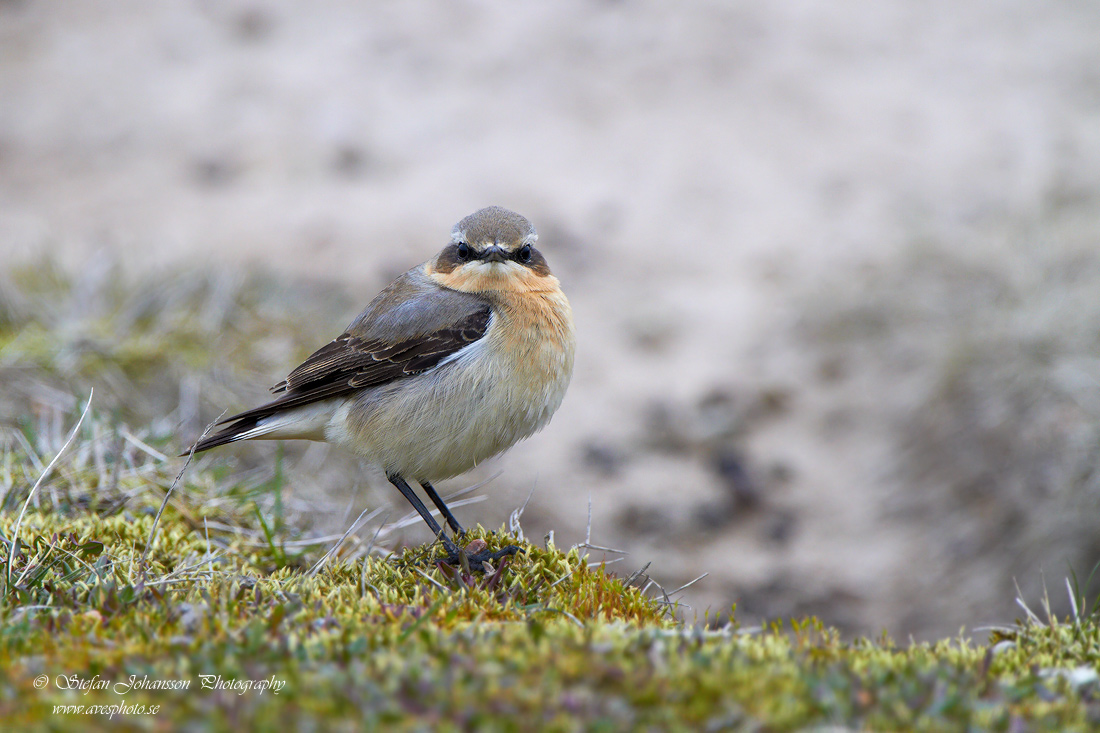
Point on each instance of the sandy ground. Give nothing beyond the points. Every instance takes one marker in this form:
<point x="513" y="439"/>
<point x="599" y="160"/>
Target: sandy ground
<point x="704" y="175"/>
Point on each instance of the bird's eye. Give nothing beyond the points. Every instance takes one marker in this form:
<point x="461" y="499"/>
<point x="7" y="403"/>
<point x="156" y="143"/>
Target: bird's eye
<point x="463" y="251"/>
<point x="524" y="253"/>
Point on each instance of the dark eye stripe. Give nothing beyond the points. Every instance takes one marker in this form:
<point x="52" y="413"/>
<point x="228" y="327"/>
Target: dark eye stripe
<point x="452" y="257"/>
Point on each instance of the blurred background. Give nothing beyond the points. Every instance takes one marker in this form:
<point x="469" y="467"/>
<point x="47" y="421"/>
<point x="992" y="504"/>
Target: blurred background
<point x="835" y="266"/>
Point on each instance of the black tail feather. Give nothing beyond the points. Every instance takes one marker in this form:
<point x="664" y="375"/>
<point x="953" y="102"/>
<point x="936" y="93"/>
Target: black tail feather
<point x="223" y="436"/>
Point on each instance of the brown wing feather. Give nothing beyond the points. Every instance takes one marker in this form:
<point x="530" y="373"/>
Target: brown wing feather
<point x="349" y="363"/>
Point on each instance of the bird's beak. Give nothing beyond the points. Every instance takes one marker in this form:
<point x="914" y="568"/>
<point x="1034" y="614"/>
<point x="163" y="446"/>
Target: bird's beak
<point x="495" y="254"/>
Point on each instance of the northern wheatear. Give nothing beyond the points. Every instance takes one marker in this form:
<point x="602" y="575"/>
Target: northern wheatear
<point x="453" y="363"/>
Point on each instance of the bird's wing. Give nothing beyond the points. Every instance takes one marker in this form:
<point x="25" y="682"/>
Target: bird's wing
<point x="350" y="362"/>
<point x="408" y="329"/>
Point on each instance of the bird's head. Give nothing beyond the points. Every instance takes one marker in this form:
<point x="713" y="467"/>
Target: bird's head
<point x="492" y="249"/>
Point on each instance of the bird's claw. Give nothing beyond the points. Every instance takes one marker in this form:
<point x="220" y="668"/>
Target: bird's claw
<point x="475" y="560"/>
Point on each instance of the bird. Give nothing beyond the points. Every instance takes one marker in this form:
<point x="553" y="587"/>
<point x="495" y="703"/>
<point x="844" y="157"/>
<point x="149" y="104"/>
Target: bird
<point x="451" y="364"/>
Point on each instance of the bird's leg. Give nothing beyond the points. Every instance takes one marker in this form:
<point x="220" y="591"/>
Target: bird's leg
<point x="453" y="557"/>
<point x="422" y="510"/>
<point x="438" y="501"/>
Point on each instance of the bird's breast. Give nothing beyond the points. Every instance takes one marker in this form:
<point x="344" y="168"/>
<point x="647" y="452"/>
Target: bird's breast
<point x="519" y="372"/>
<point x="534" y="339"/>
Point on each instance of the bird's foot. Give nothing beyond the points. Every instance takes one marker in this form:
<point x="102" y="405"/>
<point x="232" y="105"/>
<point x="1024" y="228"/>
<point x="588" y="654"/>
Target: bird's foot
<point x="475" y="554"/>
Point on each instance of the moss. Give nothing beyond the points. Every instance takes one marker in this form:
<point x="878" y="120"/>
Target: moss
<point x="546" y="641"/>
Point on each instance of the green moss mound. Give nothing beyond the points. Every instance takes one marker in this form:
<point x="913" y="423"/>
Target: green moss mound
<point x="188" y="626"/>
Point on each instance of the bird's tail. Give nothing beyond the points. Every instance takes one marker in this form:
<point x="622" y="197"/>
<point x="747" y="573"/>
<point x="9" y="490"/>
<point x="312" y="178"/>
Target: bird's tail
<point x="272" y="422"/>
<point x="241" y="430"/>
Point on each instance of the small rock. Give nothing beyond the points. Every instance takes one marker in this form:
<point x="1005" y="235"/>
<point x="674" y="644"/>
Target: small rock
<point x="476" y="546"/>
